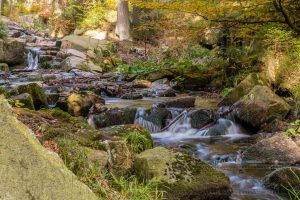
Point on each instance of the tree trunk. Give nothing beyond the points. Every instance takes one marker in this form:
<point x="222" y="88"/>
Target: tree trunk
<point x="123" y="22"/>
<point x="2" y="7"/>
<point x="11" y="7"/>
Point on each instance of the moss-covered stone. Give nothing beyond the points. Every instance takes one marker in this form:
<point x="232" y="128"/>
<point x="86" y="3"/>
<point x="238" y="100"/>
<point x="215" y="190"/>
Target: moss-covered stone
<point x="80" y="104"/>
<point x="185" y="177"/>
<point x="24" y="101"/>
<point x="284" y="179"/>
<point x="37" y="93"/>
<point x="260" y="106"/>
<point x="120" y="157"/>
<point x="278" y="148"/>
<point x="12" y="51"/>
<point x="55" y="124"/>
<point x="97" y="158"/>
<point x="4" y="67"/>
<point x="28" y="171"/>
<point x="244" y="88"/>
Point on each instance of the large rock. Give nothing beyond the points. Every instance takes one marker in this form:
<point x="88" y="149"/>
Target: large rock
<point x="243" y="88"/>
<point x="183" y="102"/>
<point x="37" y="93"/>
<point x="73" y="62"/>
<point x="76" y="62"/>
<point x="80" y="104"/>
<point x="260" y="106"/>
<point x="83" y="43"/>
<point x="115" y="116"/>
<point x="277" y="148"/>
<point x="220" y="128"/>
<point x="12" y="51"/>
<point x="64" y="53"/>
<point x="154" y="120"/>
<point x="137" y="83"/>
<point x="283" y="179"/>
<point x="201" y="118"/>
<point x="28" y="171"/>
<point x="184" y="176"/>
<point x="161" y="88"/>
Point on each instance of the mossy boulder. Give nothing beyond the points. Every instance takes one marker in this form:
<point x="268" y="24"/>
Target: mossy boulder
<point x="80" y="104"/>
<point x="24" y="101"/>
<point x="54" y="124"/>
<point x="278" y="148"/>
<point x="37" y="93"/>
<point x="4" y="67"/>
<point x="12" y="51"/>
<point x="243" y="88"/>
<point x="97" y="158"/>
<point x="284" y="179"/>
<point x="260" y="106"/>
<point x="29" y="171"/>
<point x="184" y="176"/>
<point x="115" y="116"/>
<point x="120" y="157"/>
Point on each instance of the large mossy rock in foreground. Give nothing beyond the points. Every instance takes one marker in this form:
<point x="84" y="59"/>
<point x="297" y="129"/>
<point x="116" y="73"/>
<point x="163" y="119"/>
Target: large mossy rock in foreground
<point x="260" y="106"/>
<point x="243" y="88"/>
<point x="277" y="148"/>
<point x="284" y="179"/>
<point x="28" y="171"/>
<point x="184" y="176"/>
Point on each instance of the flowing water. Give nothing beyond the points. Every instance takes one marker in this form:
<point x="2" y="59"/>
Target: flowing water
<point x="219" y="145"/>
<point x="33" y="58"/>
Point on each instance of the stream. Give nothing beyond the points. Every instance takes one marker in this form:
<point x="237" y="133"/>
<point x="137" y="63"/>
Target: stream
<point x="220" y="145"/>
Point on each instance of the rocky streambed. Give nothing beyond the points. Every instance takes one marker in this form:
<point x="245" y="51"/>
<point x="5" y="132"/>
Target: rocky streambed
<point x="198" y="144"/>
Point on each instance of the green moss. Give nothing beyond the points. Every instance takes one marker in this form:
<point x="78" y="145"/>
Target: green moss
<point x="4" y="92"/>
<point x="184" y="176"/>
<point x="38" y="95"/>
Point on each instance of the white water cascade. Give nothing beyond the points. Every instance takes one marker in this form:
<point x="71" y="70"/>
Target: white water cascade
<point x="33" y="58"/>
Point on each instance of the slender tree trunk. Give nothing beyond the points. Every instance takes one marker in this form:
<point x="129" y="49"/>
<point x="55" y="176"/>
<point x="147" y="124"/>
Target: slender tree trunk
<point x="2" y="7"/>
<point x="11" y="7"/>
<point x="123" y="22"/>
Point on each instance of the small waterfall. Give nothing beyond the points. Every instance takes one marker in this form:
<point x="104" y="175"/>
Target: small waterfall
<point x="33" y="58"/>
<point x="182" y="124"/>
<point x="140" y="119"/>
